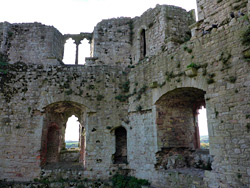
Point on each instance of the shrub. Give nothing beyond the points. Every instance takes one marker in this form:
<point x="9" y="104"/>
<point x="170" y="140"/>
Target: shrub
<point x="193" y="65"/>
<point x="232" y="79"/>
<point x="99" y="97"/>
<point x="139" y="108"/>
<point x="120" y="181"/>
<point x="121" y="98"/>
<point x="125" y="86"/>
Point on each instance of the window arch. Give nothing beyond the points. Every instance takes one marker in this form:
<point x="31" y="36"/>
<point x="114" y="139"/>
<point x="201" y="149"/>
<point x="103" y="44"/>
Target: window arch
<point x="53" y="140"/>
<point x="72" y="132"/>
<point x="177" y="118"/>
<point x="120" y="146"/>
<point x="178" y="129"/>
<point x="69" y="52"/>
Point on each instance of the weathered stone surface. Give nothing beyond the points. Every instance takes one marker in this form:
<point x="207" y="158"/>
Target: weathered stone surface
<point x="114" y="89"/>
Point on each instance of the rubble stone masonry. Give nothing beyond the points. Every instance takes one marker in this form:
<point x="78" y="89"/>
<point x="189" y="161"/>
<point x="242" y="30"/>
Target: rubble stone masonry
<point x="136" y="98"/>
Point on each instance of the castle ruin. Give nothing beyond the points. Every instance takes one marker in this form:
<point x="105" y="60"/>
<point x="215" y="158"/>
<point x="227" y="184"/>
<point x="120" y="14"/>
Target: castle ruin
<point x="136" y="101"/>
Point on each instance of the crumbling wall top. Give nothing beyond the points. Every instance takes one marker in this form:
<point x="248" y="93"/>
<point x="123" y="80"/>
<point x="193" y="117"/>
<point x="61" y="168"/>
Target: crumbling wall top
<point x="31" y="43"/>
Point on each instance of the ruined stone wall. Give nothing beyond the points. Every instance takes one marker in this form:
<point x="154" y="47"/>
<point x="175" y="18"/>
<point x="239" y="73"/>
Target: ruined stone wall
<point x="217" y="11"/>
<point x="112" y="41"/>
<point x="110" y="97"/>
<point x="23" y="114"/>
<point x="31" y="43"/>
<point x="117" y="41"/>
<point x="223" y="74"/>
<point x="168" y="25"/>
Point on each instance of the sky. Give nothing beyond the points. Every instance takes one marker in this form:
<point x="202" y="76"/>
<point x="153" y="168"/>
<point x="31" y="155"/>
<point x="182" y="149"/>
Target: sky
<point x="72" y="129"/>
<point x="75" y="16"/>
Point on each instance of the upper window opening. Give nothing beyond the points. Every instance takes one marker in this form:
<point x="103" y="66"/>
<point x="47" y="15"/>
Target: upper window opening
<point x="143" y="44"/>
<point x="84" y="51"/>
<point x="72" y="133"/>
<point x="69" y="52"/>
<point x="76" y="50"/>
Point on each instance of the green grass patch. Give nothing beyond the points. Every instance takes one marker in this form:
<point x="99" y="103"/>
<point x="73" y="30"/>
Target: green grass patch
<point x="120" y="181"/>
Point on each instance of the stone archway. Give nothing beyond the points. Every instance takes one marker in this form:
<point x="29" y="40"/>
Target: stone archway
<point x="53" y="142"/>
<point x="176" y="117"/>
<point x="177" y="128"/>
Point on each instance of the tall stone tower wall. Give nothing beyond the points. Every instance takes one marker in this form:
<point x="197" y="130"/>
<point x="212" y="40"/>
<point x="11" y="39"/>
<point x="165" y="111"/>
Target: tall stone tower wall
<point x="112" y="41"/>
<point x="31" y="43"/>
<point x="118" y="41"/>
<point x="168" y="25"/>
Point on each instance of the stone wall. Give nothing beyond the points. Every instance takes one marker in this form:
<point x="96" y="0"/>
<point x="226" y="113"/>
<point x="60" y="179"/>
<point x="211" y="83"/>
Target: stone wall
<point x="24" y="101"/>
<point x="218" y="11"/>
<point x="222" y="74"/>
<point x="168" y="25"/>
<point x="32" y="43"/>
<point x="112" y="41"/>
<point x="117" y="41"/>
<point x="140" y="98"/>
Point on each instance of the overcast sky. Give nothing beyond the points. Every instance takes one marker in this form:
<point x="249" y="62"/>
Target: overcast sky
<point x="75" y="16"/>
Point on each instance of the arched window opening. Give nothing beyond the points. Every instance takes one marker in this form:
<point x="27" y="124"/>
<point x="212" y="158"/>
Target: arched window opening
<point x="84" y="51"/>
<point x="72" y="133"/>
<point x="120" y="146"/>
<point x="178" y="129"/>
<point x="203" y="129"/>
<point x="63" y="138"/>
<point x="143" y="44"/>
<point x="69" y="52"/>
<point x="52" y="145"/>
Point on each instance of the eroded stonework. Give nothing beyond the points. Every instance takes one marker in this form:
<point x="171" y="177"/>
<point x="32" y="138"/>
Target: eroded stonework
<point x="136" y="100"/>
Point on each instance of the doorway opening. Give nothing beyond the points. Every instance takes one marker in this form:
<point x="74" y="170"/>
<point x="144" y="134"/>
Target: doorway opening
<point x="120" y="146"/>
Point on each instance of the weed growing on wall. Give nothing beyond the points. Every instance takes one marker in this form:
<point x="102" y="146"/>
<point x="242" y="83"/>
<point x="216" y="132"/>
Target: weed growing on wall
<point x="246" y="37"/>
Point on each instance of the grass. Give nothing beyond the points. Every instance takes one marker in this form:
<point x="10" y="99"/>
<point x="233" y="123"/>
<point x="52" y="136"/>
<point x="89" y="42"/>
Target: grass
<point x="204" y="141"/>
<point x="71" y="144"/>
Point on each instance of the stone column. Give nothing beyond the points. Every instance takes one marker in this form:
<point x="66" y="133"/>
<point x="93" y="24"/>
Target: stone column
<point x="77" y="42"/>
